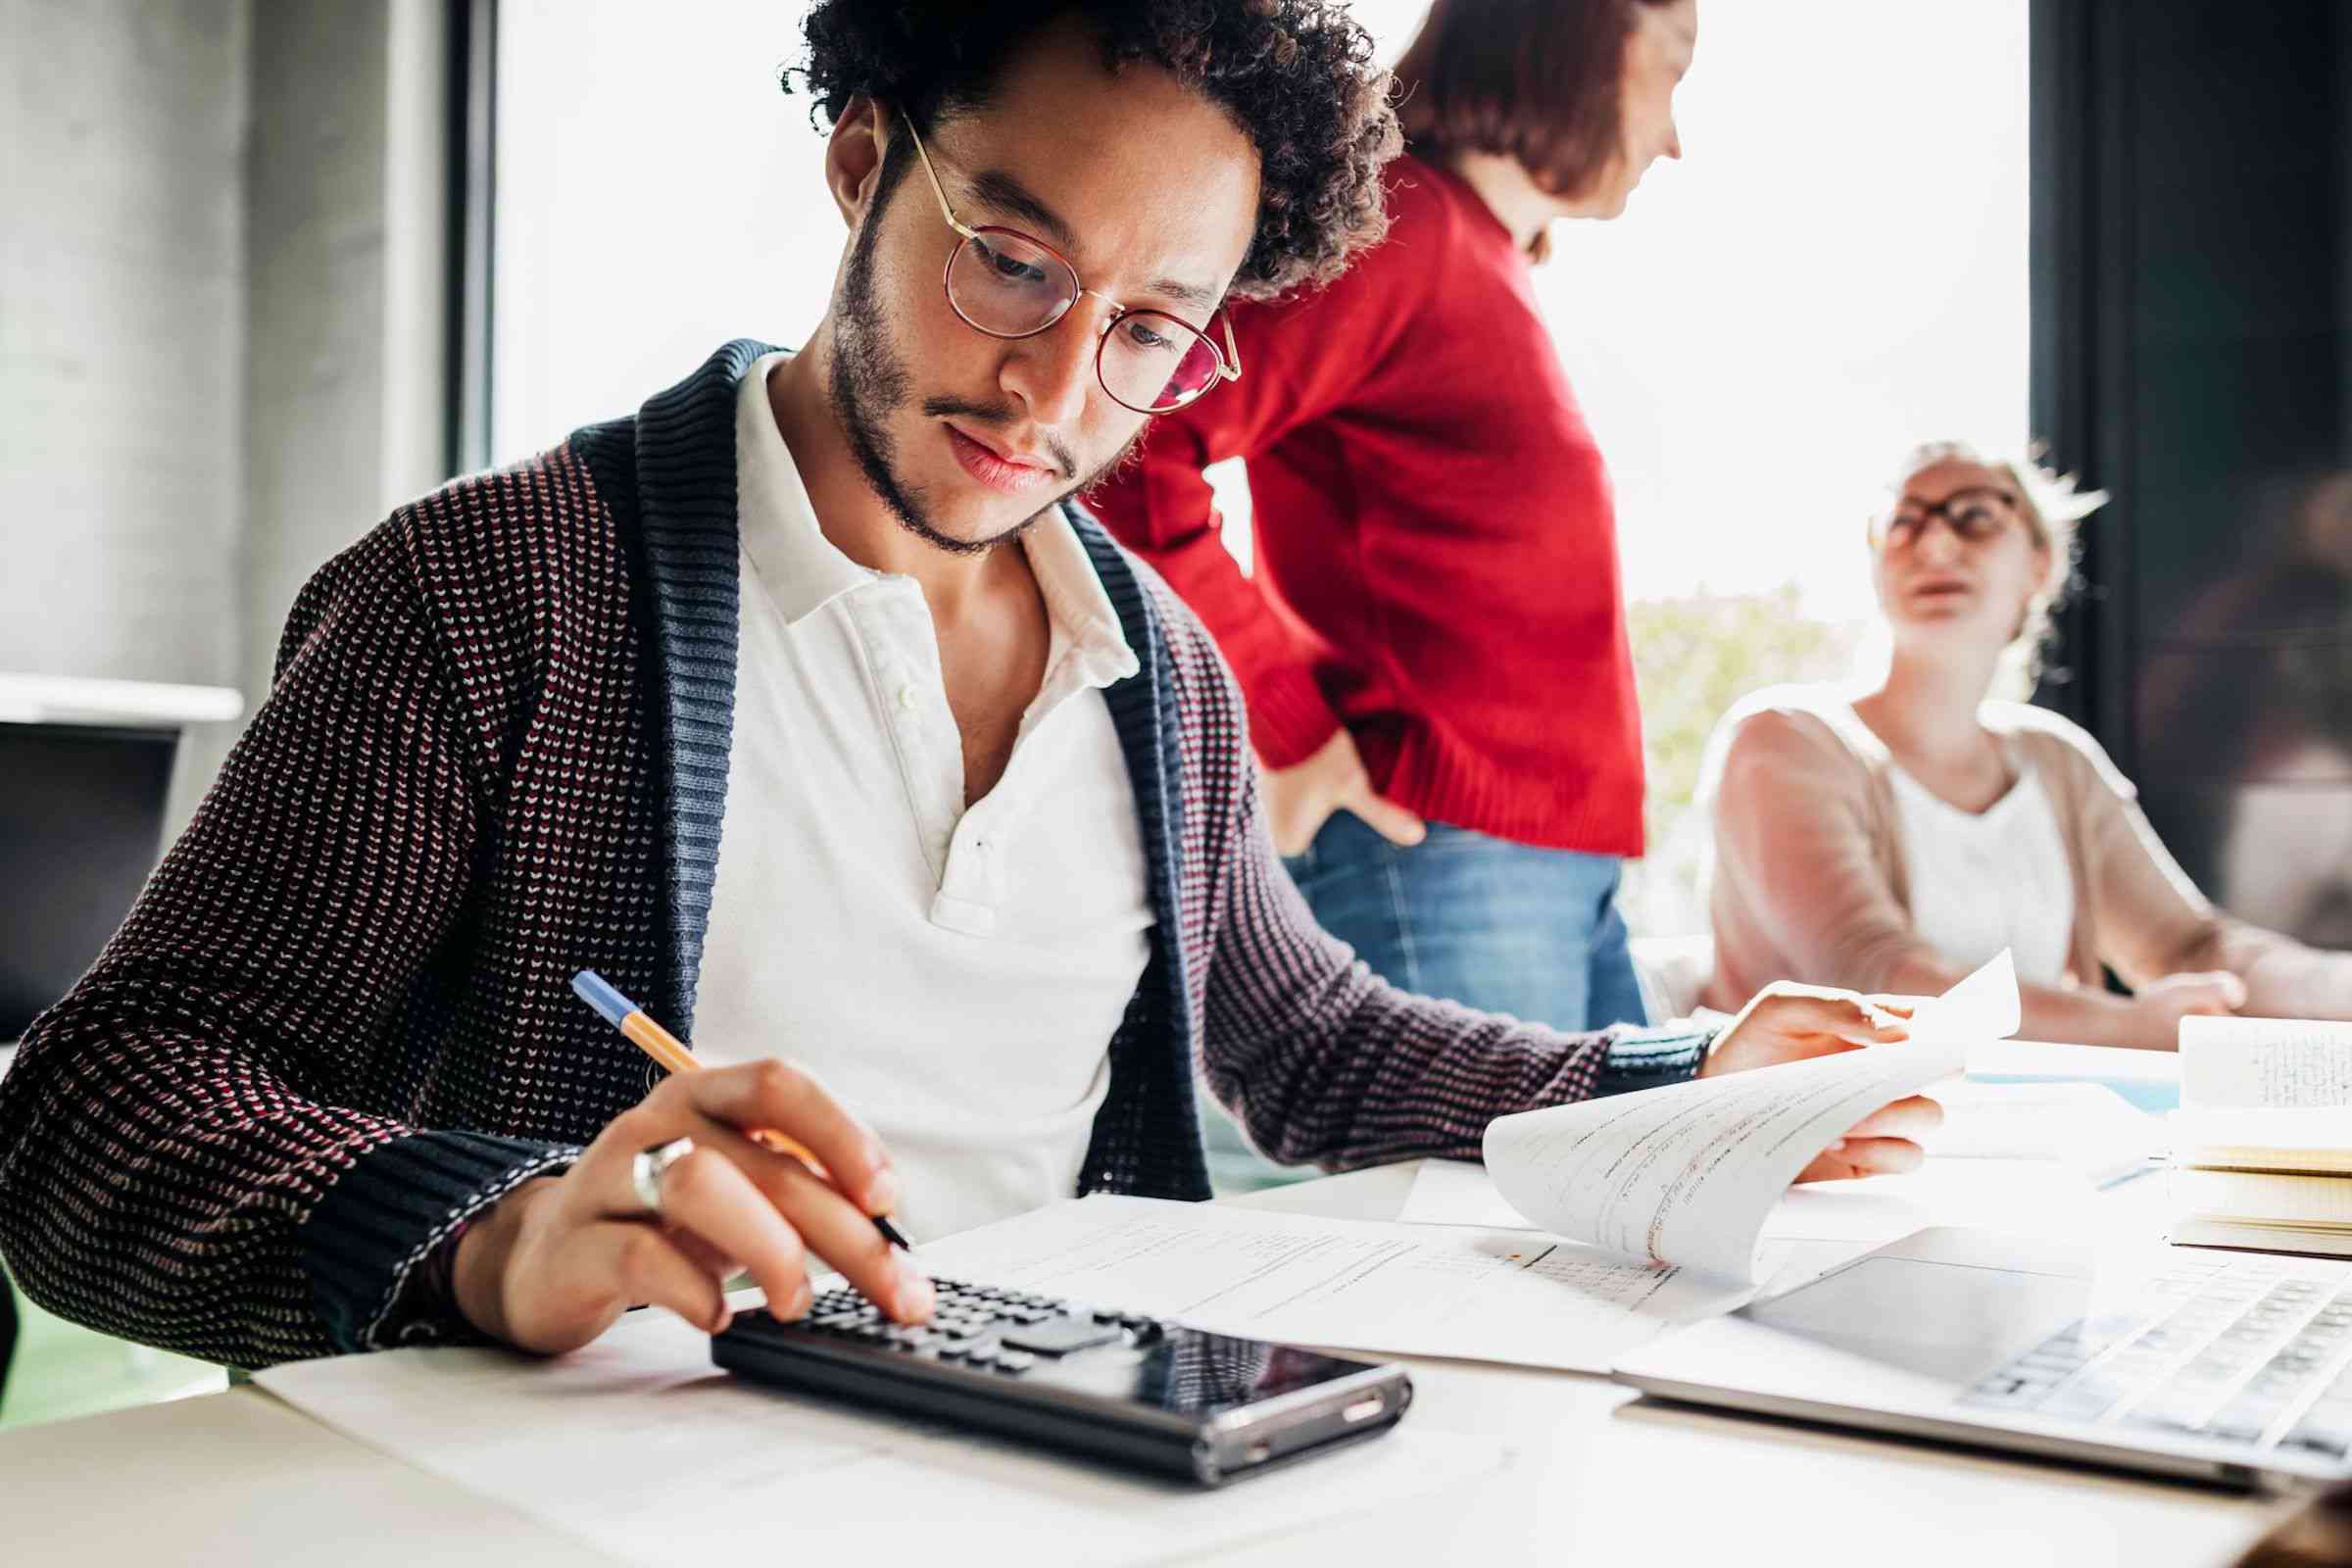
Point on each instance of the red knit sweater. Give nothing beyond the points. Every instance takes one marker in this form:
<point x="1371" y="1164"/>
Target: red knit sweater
<point x="1436" y="546"/>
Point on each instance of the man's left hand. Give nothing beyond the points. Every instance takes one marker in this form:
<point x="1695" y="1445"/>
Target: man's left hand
<point x="1792" y="1023"/>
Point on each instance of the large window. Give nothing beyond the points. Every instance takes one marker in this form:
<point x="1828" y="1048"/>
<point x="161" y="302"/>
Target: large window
<point x="1837" y="270"/>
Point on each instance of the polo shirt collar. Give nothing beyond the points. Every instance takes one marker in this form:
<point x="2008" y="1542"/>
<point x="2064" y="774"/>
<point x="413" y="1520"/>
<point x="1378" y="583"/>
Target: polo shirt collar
<point x="803" y="571"/>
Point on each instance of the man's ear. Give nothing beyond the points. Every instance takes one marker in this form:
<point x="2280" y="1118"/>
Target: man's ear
<point x="853" y="156"/>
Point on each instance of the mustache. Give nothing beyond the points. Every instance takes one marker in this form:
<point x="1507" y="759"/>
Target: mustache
<point x="999" y="417"/>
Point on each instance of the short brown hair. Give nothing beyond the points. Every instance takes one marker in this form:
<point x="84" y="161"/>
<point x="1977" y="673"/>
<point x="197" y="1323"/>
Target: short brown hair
<point x="1537" y="80"/>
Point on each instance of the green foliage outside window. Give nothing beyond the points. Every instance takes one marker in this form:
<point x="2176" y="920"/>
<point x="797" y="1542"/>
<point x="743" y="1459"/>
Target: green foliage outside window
<point x="1693" y="658"/>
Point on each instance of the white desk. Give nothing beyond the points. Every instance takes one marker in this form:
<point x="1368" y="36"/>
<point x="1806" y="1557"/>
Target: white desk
<point x="1600" y="1478"/>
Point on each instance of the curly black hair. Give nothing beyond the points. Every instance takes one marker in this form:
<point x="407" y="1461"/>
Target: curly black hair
<point x="1298" y="76"/>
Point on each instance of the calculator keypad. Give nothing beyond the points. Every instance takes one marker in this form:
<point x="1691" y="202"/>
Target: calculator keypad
<point x="980" y="1326"/>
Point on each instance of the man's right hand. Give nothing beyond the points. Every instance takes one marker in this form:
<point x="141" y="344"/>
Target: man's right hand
<point x="1301" y="798"/>
<point x="554" y="1263"/>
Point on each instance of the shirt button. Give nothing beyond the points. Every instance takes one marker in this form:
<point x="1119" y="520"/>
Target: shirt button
<point x="907" y="698"/>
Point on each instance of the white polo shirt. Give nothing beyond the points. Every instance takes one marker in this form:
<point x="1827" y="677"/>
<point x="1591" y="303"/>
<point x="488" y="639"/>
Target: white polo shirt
<point x="953" y="974"/>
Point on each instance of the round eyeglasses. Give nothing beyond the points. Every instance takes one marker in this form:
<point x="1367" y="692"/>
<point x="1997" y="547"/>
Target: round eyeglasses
<point x="1975" y="514"/>
<point x="1006" y="284"/>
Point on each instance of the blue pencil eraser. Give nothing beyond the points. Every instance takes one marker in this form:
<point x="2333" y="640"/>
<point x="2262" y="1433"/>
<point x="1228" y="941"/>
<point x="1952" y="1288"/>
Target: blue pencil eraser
<point x="598" y="993"/>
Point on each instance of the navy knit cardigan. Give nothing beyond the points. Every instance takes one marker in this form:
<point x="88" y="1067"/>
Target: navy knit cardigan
<point x="338" y="1022"/>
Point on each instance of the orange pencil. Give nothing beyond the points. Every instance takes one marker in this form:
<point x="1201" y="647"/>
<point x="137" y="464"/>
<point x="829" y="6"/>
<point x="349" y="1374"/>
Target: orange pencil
<point x="671" y="1054"/>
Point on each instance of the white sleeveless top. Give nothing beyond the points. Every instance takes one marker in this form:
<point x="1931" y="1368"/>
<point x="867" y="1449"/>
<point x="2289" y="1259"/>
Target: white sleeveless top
<point x="1980" y="881"/>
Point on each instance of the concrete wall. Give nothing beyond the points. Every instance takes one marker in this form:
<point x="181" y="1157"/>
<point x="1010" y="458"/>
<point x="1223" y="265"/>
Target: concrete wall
<point x="343" y="308"/>
<point x="121" y="344"/>
<point x="222" y="244"/>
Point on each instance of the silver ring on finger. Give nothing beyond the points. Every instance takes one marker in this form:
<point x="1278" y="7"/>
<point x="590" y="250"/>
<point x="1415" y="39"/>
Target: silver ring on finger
<point x="650" y="1165"/>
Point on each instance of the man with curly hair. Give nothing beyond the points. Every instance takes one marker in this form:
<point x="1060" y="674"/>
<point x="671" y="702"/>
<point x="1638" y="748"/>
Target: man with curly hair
<point x="801" y="706"/>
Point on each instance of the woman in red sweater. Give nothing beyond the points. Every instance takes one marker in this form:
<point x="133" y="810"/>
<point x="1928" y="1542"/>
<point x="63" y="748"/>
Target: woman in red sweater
<point x="1434" y="645"/>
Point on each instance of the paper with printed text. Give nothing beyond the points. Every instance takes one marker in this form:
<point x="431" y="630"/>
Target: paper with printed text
<point x="1687" y="1174"/>
<point x="1512" y="1295"/>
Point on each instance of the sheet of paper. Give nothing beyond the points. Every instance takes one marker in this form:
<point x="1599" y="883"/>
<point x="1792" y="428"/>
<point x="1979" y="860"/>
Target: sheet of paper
<point x="2089" y="1127"/>
<point x="1686" y="1174"/>
<point x="1458" y="1192"/>
<point x="2038" y="1195"/>
<point x="2278" y="1062"/>
<point x="1510" y="1296"/>
<point x="1816" y="1227"/>
<point x="640" y="1447"/>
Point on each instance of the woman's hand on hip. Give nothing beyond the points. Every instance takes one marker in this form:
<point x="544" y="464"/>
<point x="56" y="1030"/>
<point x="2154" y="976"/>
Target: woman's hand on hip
<point x="1301" y="798"/>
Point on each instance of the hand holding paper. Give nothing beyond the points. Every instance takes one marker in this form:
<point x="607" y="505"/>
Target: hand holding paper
<point x="1686" y="1174"/>
<point x="1789" y="1022"/>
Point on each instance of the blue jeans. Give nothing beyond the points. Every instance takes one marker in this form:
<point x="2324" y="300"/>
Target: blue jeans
<point x="1498" y="926"/>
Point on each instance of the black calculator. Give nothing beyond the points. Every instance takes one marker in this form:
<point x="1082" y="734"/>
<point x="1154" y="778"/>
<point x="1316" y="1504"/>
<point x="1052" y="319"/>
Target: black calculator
<point x="1117" y="1386"/>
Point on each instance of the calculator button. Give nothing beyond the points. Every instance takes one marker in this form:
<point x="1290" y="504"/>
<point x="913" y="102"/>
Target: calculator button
<point x="1014" y="1360"/>
<point x="1059" y="1336"/>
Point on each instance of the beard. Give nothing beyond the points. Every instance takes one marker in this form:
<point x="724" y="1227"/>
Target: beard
<point x="869" y="382"/>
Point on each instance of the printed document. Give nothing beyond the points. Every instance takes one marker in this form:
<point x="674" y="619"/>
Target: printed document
<point x="640" y="1447"/>
<point x="2037" y="1196"/>
<point x="1686" y="1174"/>
<point x="1409" y="1289"/>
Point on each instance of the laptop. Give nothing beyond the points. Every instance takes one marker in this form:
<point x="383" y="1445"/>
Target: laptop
<point x="81" y="815"/>
<point x="2233" y="1367"/>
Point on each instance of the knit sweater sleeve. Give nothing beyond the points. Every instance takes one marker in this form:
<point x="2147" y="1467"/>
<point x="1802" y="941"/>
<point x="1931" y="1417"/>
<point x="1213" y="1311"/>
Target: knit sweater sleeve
<point x="179" y="1160"/>
<point x="1323" y="1061"/>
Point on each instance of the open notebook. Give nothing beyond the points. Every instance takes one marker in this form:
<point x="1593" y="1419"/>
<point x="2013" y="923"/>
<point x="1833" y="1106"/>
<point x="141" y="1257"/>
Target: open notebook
<point x="2262" y="1144"/>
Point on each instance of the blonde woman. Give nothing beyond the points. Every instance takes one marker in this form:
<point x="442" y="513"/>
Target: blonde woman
<point x="1892" y="839"/>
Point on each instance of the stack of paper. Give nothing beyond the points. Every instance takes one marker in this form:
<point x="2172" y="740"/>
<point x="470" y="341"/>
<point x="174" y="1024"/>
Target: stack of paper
<point x="2262" y="1146"/>
<point x="1408" y="1290"/>
<point x="640" y="1447"/>
<point x="1687" y="1174"/>
<point x="1654" y="1202"/>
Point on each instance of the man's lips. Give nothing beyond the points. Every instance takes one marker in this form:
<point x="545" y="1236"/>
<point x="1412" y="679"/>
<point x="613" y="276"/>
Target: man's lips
<point x="994" y="468"/>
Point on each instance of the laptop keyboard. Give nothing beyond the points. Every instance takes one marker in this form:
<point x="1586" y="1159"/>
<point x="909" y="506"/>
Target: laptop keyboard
<point x="2247" y="1350"/>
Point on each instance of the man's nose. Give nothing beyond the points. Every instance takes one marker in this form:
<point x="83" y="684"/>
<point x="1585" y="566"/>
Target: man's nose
<point x="1052" y="372"/>
<point x="1674" y="142"/>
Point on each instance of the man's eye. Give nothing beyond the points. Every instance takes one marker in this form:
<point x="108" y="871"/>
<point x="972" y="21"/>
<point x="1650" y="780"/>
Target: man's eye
<point x="1973" y="520"/>
<point x="1010" y="266"/>
<point x="1144" y="337"/>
